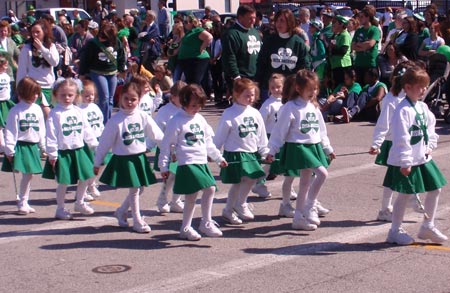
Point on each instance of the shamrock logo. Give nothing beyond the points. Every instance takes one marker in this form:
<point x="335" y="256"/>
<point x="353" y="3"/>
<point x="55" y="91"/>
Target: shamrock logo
<point x="196" y="135"/>
<point x="93" y="119"/>
<point x="284" y="59"/>
<point x="253" y="45"/>
<point x="102" y="56"/>
<point x="135" y="133"/>
<point x="72" y="125"/>
<point x="310" y="123"/>
<point x="416" y="134"/>
<point x="30" y="121"/>
<point x="248" y="127"/>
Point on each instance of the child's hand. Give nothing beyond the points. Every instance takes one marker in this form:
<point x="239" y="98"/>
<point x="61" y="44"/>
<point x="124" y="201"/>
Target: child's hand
<point x="96" y="170"/>
<point x="405" y="171"/>
<point x="223" y="164"/>
<point x="332" y="156"/>
<point x="165" y="174"/>
<point x="374" y="151"/>
<point x="269" y="159"/>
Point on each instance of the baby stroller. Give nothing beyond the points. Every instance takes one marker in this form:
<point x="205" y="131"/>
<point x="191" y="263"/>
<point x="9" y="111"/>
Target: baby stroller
<point x="435" y="96"/>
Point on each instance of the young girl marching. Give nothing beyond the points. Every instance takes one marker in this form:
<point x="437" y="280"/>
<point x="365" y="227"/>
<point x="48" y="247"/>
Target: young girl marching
<point x="24" y="138"/>
<point x="95" y="118"/>
<point x="164" y="115"/>
<point x="242" y="134"/>
<point x="411" y="169"/>
<point x="125" y="135"/>
<point x="382" y="134"/>
<point x="5" y="98"/>
<point x="191" y="136"/>
<point x="67" y="132"/>
<point x="301" y="130"/>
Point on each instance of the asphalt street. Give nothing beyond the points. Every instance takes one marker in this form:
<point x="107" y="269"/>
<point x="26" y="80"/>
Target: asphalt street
<point x="347" y="253"/>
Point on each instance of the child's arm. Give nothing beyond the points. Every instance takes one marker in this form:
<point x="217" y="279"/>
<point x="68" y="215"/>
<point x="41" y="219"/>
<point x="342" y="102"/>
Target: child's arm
<point x="280" y="130"/>
<point x="106" y="142"/>
<point x="222" y="132"/>
<point x="211" y="148"/>
<point x="263" y="150"/>
<point x="169" y="140"/>
<point x="433" y="137"/>
<point x="324" y="140"/>
<point x="382" y="126"/>
<point x="152" y="130"/>
<point x="51" y="138"/>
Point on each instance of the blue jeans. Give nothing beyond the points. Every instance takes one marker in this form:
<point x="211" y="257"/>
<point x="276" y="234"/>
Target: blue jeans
<point x="106" y="87"/>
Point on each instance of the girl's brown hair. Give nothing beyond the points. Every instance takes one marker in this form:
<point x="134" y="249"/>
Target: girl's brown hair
<point x="47" y="29"/>
<point x="243" y="84"/>
<point x="305" y="78"/>
<point x="415" y="75"/>
<point x="27" y="89"/>
<point x="141" y="80"/>
<point x="192" y="92"/>
<point x="397" y="76"/>
<point x="289" y="92"/>
<point x="290" y="19"/>
<point x="176" y="88"/>
<point x="131" y="86"/>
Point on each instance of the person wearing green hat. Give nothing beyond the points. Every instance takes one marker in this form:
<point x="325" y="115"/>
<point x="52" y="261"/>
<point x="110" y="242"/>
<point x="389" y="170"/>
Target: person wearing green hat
<point x="317" y="50"/>
<point x="30" y="15"/>
<point x="340" y="49"/>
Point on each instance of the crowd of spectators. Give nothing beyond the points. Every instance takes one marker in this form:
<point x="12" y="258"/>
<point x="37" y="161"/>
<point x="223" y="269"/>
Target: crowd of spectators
<point x="341" y="50"/>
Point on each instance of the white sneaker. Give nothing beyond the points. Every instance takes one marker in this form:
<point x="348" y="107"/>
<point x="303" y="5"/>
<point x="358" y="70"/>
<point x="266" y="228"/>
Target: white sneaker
<point x="93" y="190"/>
<point x="433" y="234"/>
<point x="286" y="210"/>
<point x="190" y="234"/>
<point x="321" y="210"/>
<point x="231" y="217"/>
<point x="293" y="194"/>
<point x="244" y="212"/>
<point x="122" y="218"/>
<point x="141" y="226"/>
<point x="22" y="210"/>
<point x="176" y="207"/>
<point x="261" y="190"/>
<point x="385" y="215"/>
<point x="88" y="197"/>
<point x="163" y="205"/>
<point x="210" y="228"/>
<point x="399" y="237"/>
<point x="63" y="214"/>
<point x="312" y="216"/>
<point x="353" y="111"/>
<point x="300" y="223"/>
<point x="83" y="208"/>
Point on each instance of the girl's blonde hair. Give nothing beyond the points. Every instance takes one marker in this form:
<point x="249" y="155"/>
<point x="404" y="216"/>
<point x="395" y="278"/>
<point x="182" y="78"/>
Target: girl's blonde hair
<point x="243" y="84"/>
<point x="69" y="82"/>
<point x="27" y="89"/>
<point x="276" y="77"/>
<point x="307" y="78"/>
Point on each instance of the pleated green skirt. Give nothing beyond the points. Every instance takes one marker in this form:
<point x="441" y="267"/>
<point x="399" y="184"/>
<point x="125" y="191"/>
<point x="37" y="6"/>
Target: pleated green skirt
<point x="382" y="157"/>
<point x="295" y="156"/>
<point x="27" y="159"/>
<point x="241" y="164"/>
<point x="193" y="178"/>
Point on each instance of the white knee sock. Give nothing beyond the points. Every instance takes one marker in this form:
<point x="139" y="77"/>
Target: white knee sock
<point x="286" y="189"/>
<point x="233" y="194"/>
<point x="207" y="202"/>
<point x="134" y="196"/>
<point x="61" y="195"/>
<point x="189" y="209"/>
<point x="244" y="189"/>
<point x="303" y="189"/>
<point x="81" y="191"/>
<point x="386" y="202"/>
<point x="24" y="188"/>
<point x="398" y="211"/>
<point x="318" y="181"/>
<point x="430" y="206"/>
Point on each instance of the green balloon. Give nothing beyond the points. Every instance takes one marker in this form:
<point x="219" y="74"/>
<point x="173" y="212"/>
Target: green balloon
<point x="444" y="50"/>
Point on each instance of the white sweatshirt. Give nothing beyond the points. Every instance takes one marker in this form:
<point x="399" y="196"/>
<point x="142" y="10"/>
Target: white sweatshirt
<point x="165" y="114"/>
<point x="269" y="112"/>
<point x="299" y="121"/>
<point x="94" y="116"/>
<point x="25" y="123"/>
<point x="241" y="129"/>
<point x="408" y="144"/>
<point x="146" y="104"/>
<point x="43" y="75"/>
<point x="5" y="86"/>
<point x="125" y="134"/>
<point x="382" y="130"/>
<point x="192" y="137"/>
<point x="68" y="129"/>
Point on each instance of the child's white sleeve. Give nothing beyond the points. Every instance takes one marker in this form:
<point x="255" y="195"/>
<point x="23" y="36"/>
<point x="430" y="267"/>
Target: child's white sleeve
<point x="11" y="133"/>
<point x="106" y="142"/>
<point x="324" y="140"/>
<point x="263" y="150"/>
<point x="211" y="148"/>
<point x="89" y="135"/>
<point x="222" y="132"/>
<point x="433" y="137"/>
<point x="42" y="131"/>
<point x="401" y="138"/>
<point x="382" y="126"/>
<point x="280" y="131"/>
<point x="169" y="140"/>
<point x="51" y="137"/>
<point x="157" y="100"/>
<point x="152" y="130"/>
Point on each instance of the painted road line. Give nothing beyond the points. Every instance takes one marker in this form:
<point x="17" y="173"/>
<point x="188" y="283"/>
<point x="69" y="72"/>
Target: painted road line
<point x="430" y="247"/>
<point x="54" y="229"/>
<point x="358" y="235"/>
<point x="105" y="203"/>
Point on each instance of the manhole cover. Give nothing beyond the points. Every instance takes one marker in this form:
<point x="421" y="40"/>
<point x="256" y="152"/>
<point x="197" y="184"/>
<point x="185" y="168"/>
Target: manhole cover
<point x="111" y="269"/>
